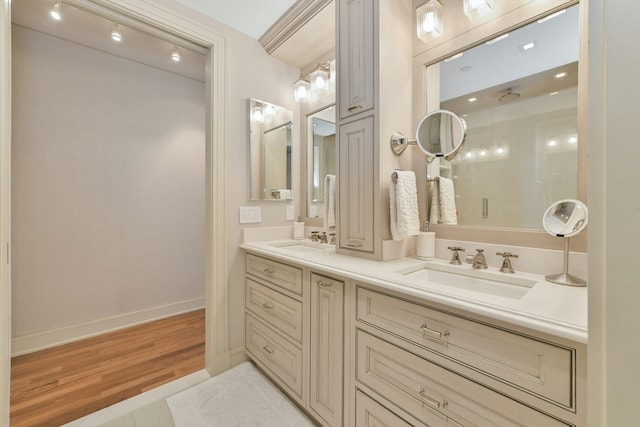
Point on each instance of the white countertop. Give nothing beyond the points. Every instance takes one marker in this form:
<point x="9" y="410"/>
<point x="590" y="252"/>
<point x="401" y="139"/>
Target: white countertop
<point x="546" y="307"/>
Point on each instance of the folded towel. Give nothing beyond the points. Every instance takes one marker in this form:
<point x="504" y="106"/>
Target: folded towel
<point x="284" y="194"/>
<point x="403" y="196"/>
<point x="443" y="202"/>
<point x="329" y="201"/>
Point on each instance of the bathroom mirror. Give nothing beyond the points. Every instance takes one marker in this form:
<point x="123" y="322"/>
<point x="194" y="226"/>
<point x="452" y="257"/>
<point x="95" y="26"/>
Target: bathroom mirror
<point x="440" y="133"/>
<point x="565" y="218"/>
<point x="321" y="157"/>
<point x="269" y="151"/>
<point x="518" y="95"/>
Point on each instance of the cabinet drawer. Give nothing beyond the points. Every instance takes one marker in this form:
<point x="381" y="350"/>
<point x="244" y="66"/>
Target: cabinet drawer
<point x="541" y="368"/>
<point x="434" y="394"/>
<point x="280" y="357"/>
<point x="370" y="413"/>
<point x="276" y="273"/>
<point x="275" y="308"/>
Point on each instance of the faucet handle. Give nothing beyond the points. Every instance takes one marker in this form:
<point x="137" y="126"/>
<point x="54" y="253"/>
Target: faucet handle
<point x="506" y="263"/>
<point x="455" y="257"/>
<point x="507" y="254"/>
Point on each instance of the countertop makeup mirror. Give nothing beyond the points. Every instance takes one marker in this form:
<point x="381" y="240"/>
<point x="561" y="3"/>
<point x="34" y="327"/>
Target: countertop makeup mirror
<point x="565" y="218"/>
<point x="269" y="151"/>
<point x="321" y="157"/>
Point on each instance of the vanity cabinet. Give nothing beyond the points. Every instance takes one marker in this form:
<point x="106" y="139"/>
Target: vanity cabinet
<point x="355" y="57"/>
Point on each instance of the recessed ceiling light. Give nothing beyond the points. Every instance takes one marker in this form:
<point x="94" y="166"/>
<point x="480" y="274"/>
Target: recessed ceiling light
<point x="553" y="15"/>
<point x="468" y="155"/>
<point x="552" y="143"/>
<point x="527" y="46"/>
<point x="465" y="68"/>
<point x="497" y="39"/>
<point x="573" y="139"/>
<point x="553" y="93"/>
<point x="472" y="99"/>
<point x="456" y="56"/>
<point x="483" y="153"/>
<point x="500" y="150"/>
<point x="560" y="75"/>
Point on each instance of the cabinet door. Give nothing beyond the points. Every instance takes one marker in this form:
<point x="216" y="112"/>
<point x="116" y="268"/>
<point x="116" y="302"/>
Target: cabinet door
<point x="355" y="56"/>
<point x="355" y="185"/>
<point x="370" y="413"/>
<point x="325" y="397"/>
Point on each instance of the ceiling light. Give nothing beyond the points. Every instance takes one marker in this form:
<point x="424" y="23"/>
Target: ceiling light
<point x="116" y="34"/>
<point x="553" y="15"/>
<point x="560" y="75"/>
<point x="552" y="143"/>
<point x="483" y="153"/>
<point x="56" y="13"/>
<point x="500" y="150"/>
<point x="497" y="39"/>
<point x="456" y="56"/>
<point x="553" y="93"/>
<point x="477" y="8"/>
<point x="472" y="99"/>
<point x="469" y="155"/>
<point x="527" y="46"/>
<point x="301" y="90"/>
<point x="429" y="24"/>
<point x="573" y="139"/>
<point x="175" y="55"/>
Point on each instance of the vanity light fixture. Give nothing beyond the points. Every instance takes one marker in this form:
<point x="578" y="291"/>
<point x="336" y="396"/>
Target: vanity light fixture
<point x="116" y="33"/>
<point x="474" y="99"/>
<point x="175" y="55"/>
<point x="301" y="90"/>
<point x="553" y="93"/>
<point x="560" y="75"/>
<point x="56" y="13"/>
<point x="429" y="24"/>
<point x="497" y="39"/>
<point x="477" y="8"/>
<point x="553" y="15"/>
<point x="527" y="46"/>
<point x="257" y="113"/>
<point x="269" y="110"/>
<point x="320" y="79"/>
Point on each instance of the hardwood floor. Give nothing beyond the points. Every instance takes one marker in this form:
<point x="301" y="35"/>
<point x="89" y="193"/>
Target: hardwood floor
<point x="54" y="386"/>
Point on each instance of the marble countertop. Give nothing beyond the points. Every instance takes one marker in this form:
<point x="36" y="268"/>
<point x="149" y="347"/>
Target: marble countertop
<point x="528" y="301"/>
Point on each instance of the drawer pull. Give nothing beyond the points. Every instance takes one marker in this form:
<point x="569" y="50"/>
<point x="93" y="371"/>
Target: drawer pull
<point x="267" y="349"/>
<point x="325" y="284"/>
<point x="432" y="402"/>
<point x="267" y="305"/>
<point x="354" y="107"/>
<point x="269" y="270"/>
<point x="355" y="245"/>
<point x="432" y="332"/>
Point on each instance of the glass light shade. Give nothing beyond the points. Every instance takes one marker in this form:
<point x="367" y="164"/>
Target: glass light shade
<point x="269" y="110"/>
<point x="56" y="13"/>
<point x="429" y="20"/>
<point x="301" y="90"/>
<point x="116" y="34"/>
<point x="257" y="114"/>
<point x="477" y="8"/>
<point x="319" y="80"/>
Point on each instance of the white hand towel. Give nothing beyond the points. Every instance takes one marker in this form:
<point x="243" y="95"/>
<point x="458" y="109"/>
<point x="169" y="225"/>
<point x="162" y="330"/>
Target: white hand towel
<point x="329" y="201"/>
<point x="447" y="202"/>
<point x="403" y="196"/>
<point x="434" y="213"/>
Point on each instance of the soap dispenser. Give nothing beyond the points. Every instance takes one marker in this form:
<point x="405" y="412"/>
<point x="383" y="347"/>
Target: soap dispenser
<point x="426" y="244"/>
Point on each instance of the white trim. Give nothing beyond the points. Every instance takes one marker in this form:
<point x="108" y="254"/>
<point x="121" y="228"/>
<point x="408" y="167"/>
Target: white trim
<point x="5" y="209"/>
<point x="238" y="356"/>
<point x="66" y="334"/>
<point x="126" y="406"/>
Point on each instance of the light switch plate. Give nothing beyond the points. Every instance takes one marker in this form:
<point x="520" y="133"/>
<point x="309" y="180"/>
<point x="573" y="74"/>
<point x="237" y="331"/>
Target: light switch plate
<point x="290" y="213"/>
<point x="250" y="214"/>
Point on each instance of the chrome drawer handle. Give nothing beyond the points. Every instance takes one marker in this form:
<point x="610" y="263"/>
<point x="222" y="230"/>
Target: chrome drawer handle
<point x="267" y="305"/>
<point x="432" y="402"/>
<point x="268" y="349"/>
<point x="269" y="270"/>
<point x="354" y="107"/>
<point x="428" y="331"/>
<point x="325" y="284"/>
<point x="354" y="245"/>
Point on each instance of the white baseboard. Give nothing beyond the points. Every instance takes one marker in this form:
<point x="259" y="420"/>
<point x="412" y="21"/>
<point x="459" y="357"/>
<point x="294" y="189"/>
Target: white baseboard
<point x="45" y="339"/>
<point x="238" y="356"/>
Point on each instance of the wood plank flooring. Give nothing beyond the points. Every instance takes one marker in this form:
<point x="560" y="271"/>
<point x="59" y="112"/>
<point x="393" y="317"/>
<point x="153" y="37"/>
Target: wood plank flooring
<point x="57" y="385"/>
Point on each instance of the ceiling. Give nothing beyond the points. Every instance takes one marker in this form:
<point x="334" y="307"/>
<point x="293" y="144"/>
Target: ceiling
<point x="251" y="17"/>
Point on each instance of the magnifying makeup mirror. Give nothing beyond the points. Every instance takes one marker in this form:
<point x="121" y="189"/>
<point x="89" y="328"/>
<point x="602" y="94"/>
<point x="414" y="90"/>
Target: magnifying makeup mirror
<point x="440" y="133"/>
<point x="565" y="218"/>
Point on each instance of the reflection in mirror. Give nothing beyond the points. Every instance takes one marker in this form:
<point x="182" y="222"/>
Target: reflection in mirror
<point x="321" y="149"/>
<point x="440" y="134"/>
<point x="565" y="218"/>
<point x="269" y="151"/>
<point x="518" y="96"/>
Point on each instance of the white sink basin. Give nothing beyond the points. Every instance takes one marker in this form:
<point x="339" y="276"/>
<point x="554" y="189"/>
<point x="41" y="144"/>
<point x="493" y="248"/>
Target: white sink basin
<point x="499" y="284"/>
<point x="302" y="246"/>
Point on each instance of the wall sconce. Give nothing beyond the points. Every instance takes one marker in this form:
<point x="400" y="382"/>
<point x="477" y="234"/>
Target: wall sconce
<point x="116" y="34"/>
<point x="320" y="79"/>
<point x="257" y="113"/>
<point x="429" y="20"/>
<point x="477" y="8"/>
<point x="175" y="55"/>
<point x="56" y="13"/>
<point x="301" y="90"/>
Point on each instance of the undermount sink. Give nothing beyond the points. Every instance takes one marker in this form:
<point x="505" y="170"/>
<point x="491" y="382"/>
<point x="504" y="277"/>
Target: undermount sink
<point x="302" y="246"/>
<point x="480" y="281"/>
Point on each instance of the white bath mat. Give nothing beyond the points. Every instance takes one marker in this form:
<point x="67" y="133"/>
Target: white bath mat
<point x="240" y="397"/>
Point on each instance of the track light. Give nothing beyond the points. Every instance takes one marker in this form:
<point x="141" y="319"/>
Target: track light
<point x="175" y="55"/>
<point x="56" y="13"/>
<point x="116" y="34"/>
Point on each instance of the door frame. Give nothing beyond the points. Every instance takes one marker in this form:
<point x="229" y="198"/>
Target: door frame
<point x="160" y="15"/>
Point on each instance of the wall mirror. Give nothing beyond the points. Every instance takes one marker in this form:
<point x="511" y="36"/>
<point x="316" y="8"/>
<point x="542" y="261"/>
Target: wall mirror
<point x="269" y="151"/>
<point x="321" y="157"/>
<point x="518" y="95"/>
<point x="440" y="133"/>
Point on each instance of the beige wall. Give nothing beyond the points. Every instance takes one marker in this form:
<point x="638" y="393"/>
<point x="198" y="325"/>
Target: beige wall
<point x="108" y="185"/>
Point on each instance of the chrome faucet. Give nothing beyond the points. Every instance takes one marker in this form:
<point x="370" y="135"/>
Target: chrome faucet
<point x="506" y="263"/>
<point x="323" y="237"/>
<point x="478" y="260"/>
<point x="455" y="257"/>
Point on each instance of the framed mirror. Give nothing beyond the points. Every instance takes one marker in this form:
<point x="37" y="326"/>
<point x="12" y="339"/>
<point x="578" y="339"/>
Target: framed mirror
<point x="270" y="145"/>
<point x="440" y="133"/>
<point x="523" y="147"/>
<point x="321" y="157"/>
